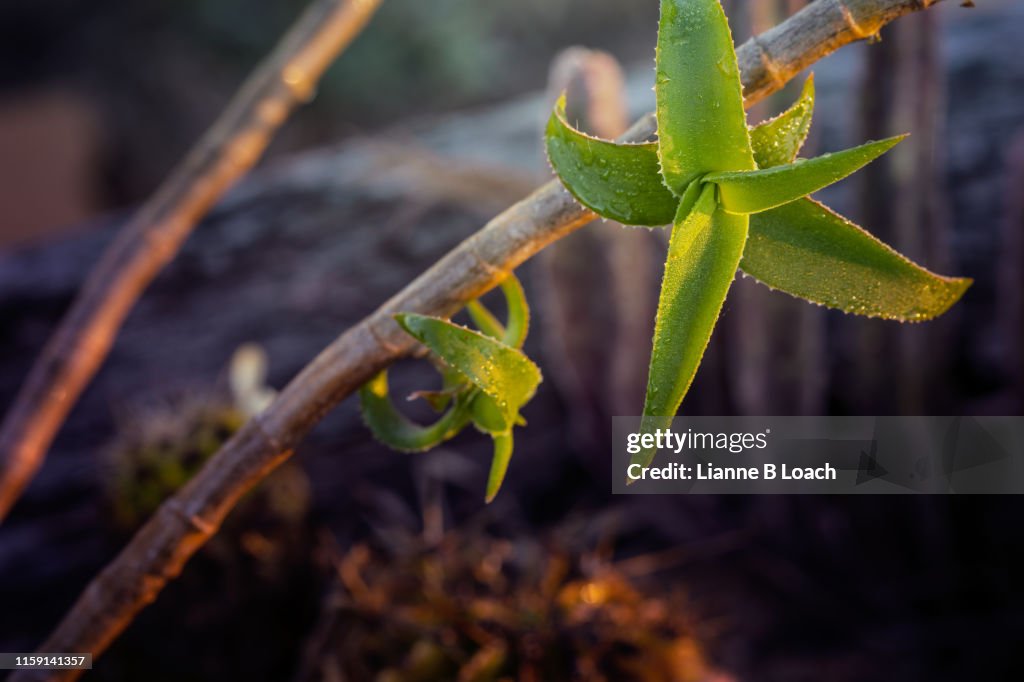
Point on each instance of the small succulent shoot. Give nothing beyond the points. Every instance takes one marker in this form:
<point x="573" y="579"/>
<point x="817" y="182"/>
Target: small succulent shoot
<point x="736" y="197"/>
<point x="486" y="380"/>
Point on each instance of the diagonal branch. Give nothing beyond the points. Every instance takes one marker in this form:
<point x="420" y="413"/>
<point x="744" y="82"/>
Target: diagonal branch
<point x="286" y="78"/>
<point x="160" y="549"/>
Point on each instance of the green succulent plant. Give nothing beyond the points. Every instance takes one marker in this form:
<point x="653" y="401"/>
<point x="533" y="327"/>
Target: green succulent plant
<point x="736" y="198"/>
<point x="486" y="380"/>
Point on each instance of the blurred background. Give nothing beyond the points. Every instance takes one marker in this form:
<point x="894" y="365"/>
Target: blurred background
<point x="354" y="562"/>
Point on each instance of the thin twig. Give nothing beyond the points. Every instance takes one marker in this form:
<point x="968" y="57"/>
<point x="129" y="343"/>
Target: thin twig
<point x="286" y="78"/>
<point x="182" y="524"/>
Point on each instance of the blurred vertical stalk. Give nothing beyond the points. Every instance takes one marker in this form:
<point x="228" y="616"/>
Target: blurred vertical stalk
<point x="1011" y="275"/>
<point x="895" y="369"/>
<point x="285" y="79"/>
<point x="922" y="215"/>
<point x="868" y="361"/>
<point x="600" y="284"/>
<point x="773" y="344"/>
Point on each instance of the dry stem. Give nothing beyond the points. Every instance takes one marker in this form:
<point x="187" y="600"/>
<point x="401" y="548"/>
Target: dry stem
<point x="159" y="550"/>
<point x="286" y="78"/>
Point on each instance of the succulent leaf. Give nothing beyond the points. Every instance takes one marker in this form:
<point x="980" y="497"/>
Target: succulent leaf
<point x="487" y="416"/>
<point x="735" y="195"/>
<point x="485" y="320"/>
<point x="502" y="372"/>
<point x="499" y="464"/>
<point x="806" y="250"/>
<point x="702" y="126"/>
<point x="518" y="323"/>
<point x="763" y="189"/>
<point x="778" y="140"/>
<point x="703" y="254"/>
<point x="395" y="430"/>
<point x="621" y="182"/>
<point x="635" y="170"/>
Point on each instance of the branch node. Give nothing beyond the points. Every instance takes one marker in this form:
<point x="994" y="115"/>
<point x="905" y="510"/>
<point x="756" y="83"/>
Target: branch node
<point x="382" y="340"/>
<point x="852" y="24"/>
<point x="495" y="273"/>
<point x="771" y="67"/>
<point x="175" y="507"/>
<point x="257" y="423"/>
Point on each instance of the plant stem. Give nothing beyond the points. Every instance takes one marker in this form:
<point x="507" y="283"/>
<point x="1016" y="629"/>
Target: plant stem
<point x="286" y="78"/>
<point x="161" y="547"/>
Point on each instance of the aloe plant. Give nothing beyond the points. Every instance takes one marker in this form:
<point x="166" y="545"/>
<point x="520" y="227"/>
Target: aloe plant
<point x="486" y="380"/>
<point x="736" y="198"/>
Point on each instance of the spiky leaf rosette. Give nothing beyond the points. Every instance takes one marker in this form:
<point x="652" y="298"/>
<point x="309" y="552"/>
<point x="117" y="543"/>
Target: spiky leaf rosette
<point x="735" y="197"/>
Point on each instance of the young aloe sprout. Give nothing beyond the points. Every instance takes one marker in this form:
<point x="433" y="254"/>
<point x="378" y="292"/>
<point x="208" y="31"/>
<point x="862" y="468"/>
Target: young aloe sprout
<point x="736" y="198"/>
<point x="486" y="381"/>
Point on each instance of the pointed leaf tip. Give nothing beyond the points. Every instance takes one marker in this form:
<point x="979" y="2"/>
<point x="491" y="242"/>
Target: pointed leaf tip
<point x="806" y="250"/>
<point x="499" y="465"/>
<point x="778" y="140"/>
<point x="764" y="189"/>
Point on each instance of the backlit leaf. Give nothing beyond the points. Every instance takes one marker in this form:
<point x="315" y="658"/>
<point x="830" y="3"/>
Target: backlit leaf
<point x="499" y="464"/>
<point x="485" y="320"/>
<point x="778" y="140"/>
<point x="775" y="142"/>
<point x="703" y="255"/>
<point x="502" y="372"/>
<point x="760" y="190"/>
<point x="487" y="416"/>
<point x="518" y="323"/>
<point x="702" y="126"/>
<point x="806" y="250"/>
<point x="618" y="181"/>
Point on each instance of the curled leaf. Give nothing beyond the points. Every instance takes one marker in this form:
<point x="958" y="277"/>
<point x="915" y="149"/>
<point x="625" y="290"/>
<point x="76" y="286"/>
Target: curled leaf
<point x="485" y="320"/>
<point x="702" y="126"/>
<point x="621" y="182"/>
<point x="518" y="323"/>
<point x="760" y="190"/>
<point x="486" y="379"/>
<point x="396" y="430"/>
<point x="805" y="249"/>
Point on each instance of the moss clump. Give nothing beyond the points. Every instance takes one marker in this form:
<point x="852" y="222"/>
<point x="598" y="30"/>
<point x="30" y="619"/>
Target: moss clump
<point x="158" y="450"/>
<point x="477" y="608"/>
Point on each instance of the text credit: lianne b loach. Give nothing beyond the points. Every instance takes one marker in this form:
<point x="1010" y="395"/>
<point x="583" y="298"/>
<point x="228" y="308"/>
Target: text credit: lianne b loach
<point x="666" y="439"/>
